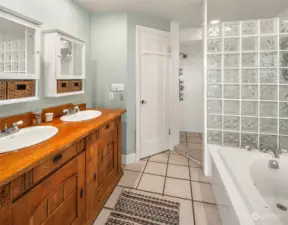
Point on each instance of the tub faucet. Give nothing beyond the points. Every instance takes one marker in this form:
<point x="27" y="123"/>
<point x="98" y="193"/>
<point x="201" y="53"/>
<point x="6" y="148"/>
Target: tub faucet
<point x="275" y="152"/>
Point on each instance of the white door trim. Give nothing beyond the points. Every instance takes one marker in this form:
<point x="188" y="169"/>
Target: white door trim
<point x="139" y="29"/>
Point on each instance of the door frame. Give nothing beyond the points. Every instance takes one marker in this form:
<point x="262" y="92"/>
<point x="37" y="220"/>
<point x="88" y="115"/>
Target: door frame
<point x="139" y="29"/>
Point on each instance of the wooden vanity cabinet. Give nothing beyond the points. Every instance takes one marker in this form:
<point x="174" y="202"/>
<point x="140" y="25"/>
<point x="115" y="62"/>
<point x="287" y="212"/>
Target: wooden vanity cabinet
<point x="102" y="161"/>
<point x="58" y="200"/>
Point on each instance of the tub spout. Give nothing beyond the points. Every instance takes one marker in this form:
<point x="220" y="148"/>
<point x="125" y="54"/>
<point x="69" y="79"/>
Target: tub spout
<point x="275" y="152"/>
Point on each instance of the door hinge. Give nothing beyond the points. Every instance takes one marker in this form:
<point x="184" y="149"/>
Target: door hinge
<point x="169" y="131"/>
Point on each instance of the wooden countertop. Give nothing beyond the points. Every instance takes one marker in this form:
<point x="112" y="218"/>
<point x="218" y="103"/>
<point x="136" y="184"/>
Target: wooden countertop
<point x="14" y="164"/>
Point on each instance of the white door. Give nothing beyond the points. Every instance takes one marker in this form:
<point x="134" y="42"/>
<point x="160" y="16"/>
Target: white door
<point x="154" y="58"/>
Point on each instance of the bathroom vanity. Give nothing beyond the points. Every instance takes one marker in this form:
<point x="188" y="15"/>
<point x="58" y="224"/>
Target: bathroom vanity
<point x="65" y="180"/>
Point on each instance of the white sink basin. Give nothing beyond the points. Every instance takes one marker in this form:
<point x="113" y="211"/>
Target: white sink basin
<point x="26" y="137"/>
<point x="81" y="116"/>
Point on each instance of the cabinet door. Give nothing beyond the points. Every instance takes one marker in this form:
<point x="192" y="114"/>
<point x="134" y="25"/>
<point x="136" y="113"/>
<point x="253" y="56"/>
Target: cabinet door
<point x="101" y="159"/>
<point x="71" y="60"/>
<point x="58" y="200"/>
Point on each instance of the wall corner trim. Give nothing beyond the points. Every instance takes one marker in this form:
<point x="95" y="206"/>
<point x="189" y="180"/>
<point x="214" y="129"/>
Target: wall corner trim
<point x="127" y="159"/>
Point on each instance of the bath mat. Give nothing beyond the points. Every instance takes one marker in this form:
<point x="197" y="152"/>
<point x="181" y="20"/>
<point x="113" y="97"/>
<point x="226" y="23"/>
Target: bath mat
<point x="134" y="208"/>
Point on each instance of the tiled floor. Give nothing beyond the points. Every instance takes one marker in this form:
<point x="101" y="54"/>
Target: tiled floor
<point x="191" y="145"/>
<point x="172" y="176"/>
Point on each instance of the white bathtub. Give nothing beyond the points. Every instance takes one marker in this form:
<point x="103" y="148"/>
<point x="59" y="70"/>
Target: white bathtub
<point x="246" y="189"/>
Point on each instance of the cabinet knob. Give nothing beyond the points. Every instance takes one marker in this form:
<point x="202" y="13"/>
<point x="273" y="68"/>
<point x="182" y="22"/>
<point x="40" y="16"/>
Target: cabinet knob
<point x="107" y="126"/>
<point x="57" y="158"/>
<point x="81" y="193"/>
<point x="94" y="177"/>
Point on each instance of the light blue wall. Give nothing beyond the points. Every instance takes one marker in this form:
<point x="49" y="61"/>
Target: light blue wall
<point x="113" y="42"/>
<point x="63" y="15"/>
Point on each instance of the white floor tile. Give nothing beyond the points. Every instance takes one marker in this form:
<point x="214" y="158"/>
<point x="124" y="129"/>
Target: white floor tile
<point x="152" y="183"/>
<point x="138" y="166"/>
<point x="206" y="214"/>
<point x="178" y="188"/>
<point x="130" y="179"/>
<point x="156" y="168"/>
<point x="176" y="171"/>
<point x="102" y="218"/>
<point x="178" y="160"/>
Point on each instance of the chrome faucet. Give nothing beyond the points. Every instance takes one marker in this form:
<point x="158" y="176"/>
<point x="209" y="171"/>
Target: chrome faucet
<point x="14" y="129"/>
<point x="275" y="152"/>
<point x="71" y="111"/>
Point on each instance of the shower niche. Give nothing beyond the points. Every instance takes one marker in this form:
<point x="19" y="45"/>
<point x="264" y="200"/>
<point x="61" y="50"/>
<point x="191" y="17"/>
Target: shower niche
<point x="65" y="58"/>
<point x="19" y="58"/>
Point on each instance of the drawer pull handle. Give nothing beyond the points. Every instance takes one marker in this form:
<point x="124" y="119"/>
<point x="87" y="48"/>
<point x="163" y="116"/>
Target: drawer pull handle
<point x="81" y="193"/>
<point x="57" y="158"/>
<point x="107" y="126"/>
<point x="94" y="177"/>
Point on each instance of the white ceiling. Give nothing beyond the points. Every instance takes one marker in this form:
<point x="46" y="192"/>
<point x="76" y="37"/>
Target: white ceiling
<point x="233" y="10"/>
<point x="187" y="12"/>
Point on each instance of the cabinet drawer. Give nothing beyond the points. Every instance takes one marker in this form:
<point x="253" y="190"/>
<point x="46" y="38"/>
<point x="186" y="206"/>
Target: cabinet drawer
<point x="106" y="130"/>
<point x="28" y="180"/>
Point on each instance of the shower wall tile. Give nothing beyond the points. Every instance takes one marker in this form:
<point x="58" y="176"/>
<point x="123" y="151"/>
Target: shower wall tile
<point x="214" y="30"/>
<point x="268" y="59"/>
<point x="268" y="42"/>
<point x="214" y="61"/>
<point x="214" y="137"/>
<point x="231" y="107"/>
<point x="214" y="106"/>
<point x="268" y="76"/>
<point x="250" y="140"/>
<point x="249" y="59"/>
<point x="284" y="42"/>
<point x="249" y="44"/>
<point x="283" y="127"/>
<point x="249" y="92"/>
<point x="268" y="92"/>
<point x="249" y="124"/>
<point x="214" y="45"/>
<point x="231" y="29"/>
<point x="249" y="27"/>
<point x="249" y="76"/>
<point x="283" y="109"/>
<point x="231" y="91"/>
<point x="268" y="109"/>
<point x="231" y="44"/>
<point x="283" y="59"/>
<point x="214" y="91"/>
<point x="214" y="76"/>
<point x="214" y="122"/>
<point x="231" y="139"/>
<point x="283" y="143"/>
<point x="231" y="76"/>
<point x="283" y="76"/>
<point x="283" y="28"/>
<point x="231" y="60"/>
<point x="268" y="126"/>
<point x="249" y="108"/>
<point x="268" y="26"/>
<point x="268" y="141"/>
<point x="231" y="123"/>
<point x="283" y="93"/>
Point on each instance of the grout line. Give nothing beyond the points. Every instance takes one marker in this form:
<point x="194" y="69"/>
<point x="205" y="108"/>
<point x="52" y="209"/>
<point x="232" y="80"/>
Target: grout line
<point x="166" y="174"/>
<point x="193" y="209"/>
<point x="178" y="197"/>
<point x="142" y="175"/>
<point x="209" y="203"/>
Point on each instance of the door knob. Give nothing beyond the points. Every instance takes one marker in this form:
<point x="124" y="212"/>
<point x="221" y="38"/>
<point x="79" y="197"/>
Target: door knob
<point x="143" y="102"/>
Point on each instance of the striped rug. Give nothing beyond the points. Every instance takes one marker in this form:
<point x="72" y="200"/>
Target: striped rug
<point x="134" y="208"/>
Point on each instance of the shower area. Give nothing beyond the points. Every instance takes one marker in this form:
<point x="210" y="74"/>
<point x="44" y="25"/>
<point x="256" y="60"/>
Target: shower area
<point x="191" y="97"/>
<point x="246" y="128"/>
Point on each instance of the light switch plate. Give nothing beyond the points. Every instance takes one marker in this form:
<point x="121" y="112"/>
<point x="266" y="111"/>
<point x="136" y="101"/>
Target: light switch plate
<point x="117" y="87"/>
<point x="111" y="96"/>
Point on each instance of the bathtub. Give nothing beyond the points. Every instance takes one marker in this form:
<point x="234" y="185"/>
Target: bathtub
<point x="247" y="191"/>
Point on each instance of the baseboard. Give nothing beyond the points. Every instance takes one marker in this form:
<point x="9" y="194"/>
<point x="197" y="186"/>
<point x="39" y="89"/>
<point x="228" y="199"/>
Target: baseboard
<point x="127" y="159"/>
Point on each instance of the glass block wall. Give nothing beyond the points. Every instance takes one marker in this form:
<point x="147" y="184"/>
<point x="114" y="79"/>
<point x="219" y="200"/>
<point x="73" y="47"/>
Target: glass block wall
<point x="247" y="84"/>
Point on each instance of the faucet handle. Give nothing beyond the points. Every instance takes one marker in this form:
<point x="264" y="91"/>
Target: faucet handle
<point x="66" y="110"/>
<point x="20" y="122"/>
